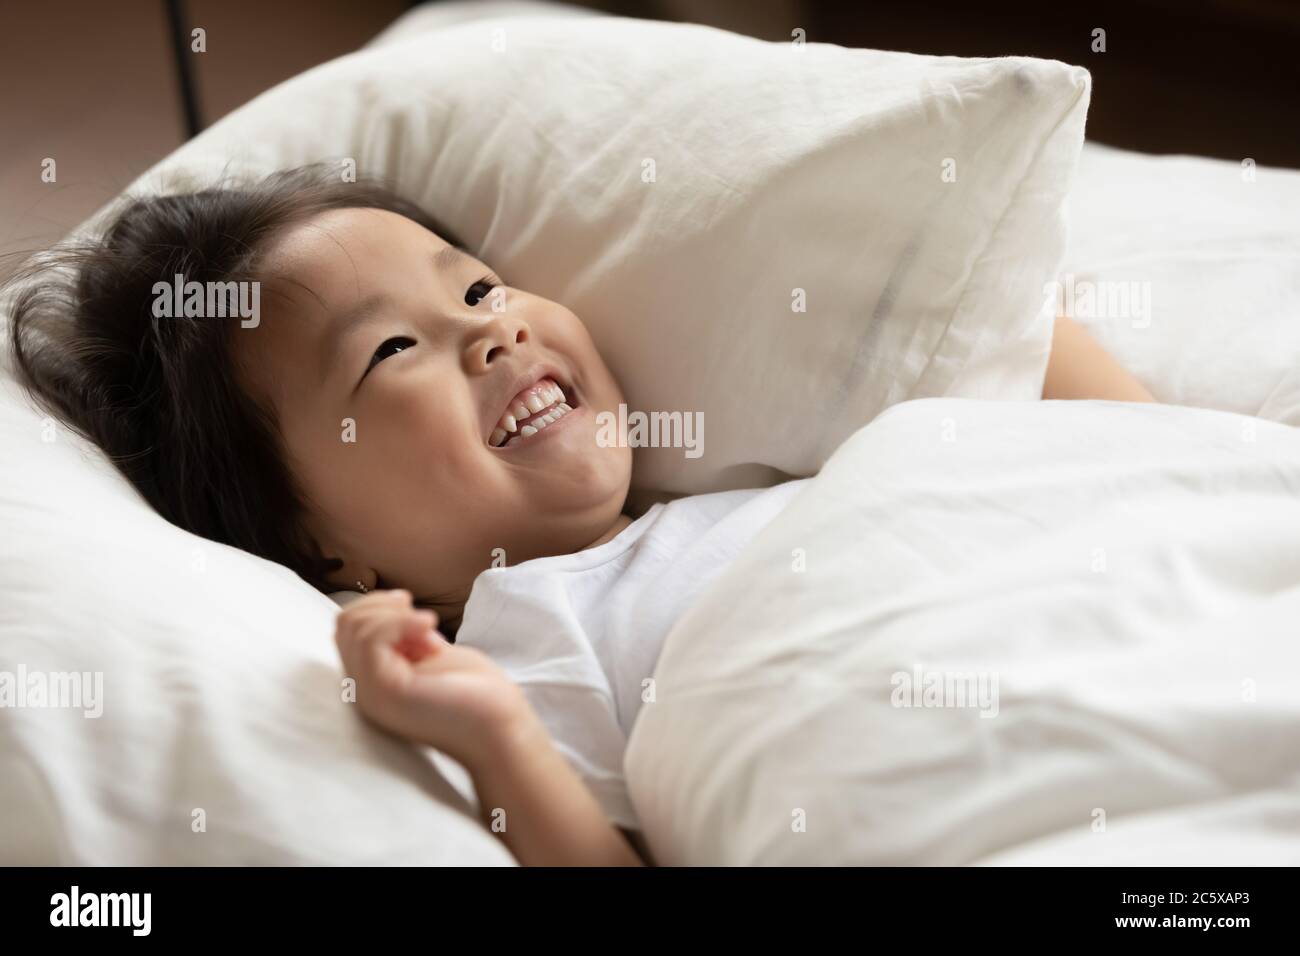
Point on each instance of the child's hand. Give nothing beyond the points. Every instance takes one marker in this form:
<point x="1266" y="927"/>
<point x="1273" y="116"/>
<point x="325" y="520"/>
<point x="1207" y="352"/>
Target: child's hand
<point x="412" y="681"/>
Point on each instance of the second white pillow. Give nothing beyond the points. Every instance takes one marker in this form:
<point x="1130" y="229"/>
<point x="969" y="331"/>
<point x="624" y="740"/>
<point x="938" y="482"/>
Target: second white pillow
<point x="777" y="240"/>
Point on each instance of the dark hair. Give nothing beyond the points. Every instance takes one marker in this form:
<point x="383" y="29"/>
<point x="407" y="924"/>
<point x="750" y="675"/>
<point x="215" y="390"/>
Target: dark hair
<point x="160" y="396"/>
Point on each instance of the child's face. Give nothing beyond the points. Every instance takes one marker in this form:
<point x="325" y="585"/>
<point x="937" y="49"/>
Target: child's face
<point x="398" y="460"/>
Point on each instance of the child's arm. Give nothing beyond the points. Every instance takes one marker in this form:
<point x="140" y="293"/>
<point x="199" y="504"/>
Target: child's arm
<point x="550" y="817"/>
<point x="1080" y="368"/>
<point x="412" y="682"/>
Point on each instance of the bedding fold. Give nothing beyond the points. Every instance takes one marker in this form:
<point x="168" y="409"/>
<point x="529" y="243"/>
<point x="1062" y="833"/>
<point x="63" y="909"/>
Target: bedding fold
<point x="992" y="625"/>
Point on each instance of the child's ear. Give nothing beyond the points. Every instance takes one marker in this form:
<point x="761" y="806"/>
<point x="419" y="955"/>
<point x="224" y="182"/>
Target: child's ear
<point x="340" y="573"/>
<point x="349" y="576"/>
<point x="335" y="573"/>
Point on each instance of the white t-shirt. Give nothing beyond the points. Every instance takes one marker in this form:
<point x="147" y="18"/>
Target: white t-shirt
<point x="581" y="632"/>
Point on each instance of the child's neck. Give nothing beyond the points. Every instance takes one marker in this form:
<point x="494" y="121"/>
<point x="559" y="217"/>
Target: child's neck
<point x="621" y="522"/>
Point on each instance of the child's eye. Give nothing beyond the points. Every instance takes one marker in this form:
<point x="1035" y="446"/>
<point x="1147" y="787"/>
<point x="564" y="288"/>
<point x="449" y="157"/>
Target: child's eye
<point x="381" y="352"/>
<point x="475" y="293"/>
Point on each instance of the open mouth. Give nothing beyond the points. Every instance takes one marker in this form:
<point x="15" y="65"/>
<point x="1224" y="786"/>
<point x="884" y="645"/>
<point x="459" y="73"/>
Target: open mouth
<point x="532" y="411"/>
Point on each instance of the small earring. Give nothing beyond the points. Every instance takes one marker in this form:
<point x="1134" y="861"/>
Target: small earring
<point x="362" y="588"/>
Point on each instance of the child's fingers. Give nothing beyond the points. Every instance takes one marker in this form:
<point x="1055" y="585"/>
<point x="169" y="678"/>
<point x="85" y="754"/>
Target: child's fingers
<point x="386" y="637"/>
<point x="379" y="605"/>
<point x="369" y="630"/>
<point x="417" y="639"/>
<point x="386" y="599"/>
<point x="378" y="601"/>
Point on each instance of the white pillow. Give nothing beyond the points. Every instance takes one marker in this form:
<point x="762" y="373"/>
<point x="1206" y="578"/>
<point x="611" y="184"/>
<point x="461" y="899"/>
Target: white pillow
<point x="777" y="168"/>
<point x="223" y="736"/>
<point x="784" y="176"/>
<point x="1208" y="252"/>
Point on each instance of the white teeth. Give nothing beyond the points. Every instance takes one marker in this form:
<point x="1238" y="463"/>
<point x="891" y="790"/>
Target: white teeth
<point x="548" y="398"/>
<point x="552" y="416"/>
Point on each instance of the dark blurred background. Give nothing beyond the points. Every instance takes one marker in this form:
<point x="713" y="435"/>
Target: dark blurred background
<point x="96" y="84"/>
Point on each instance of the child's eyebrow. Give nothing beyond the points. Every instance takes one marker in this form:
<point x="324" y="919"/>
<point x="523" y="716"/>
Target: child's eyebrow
<point x="449" y="256"/>
<point x="342" y="324"/>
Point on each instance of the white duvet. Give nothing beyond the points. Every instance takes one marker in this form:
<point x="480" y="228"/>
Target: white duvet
<point x="1116" y="586"/>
